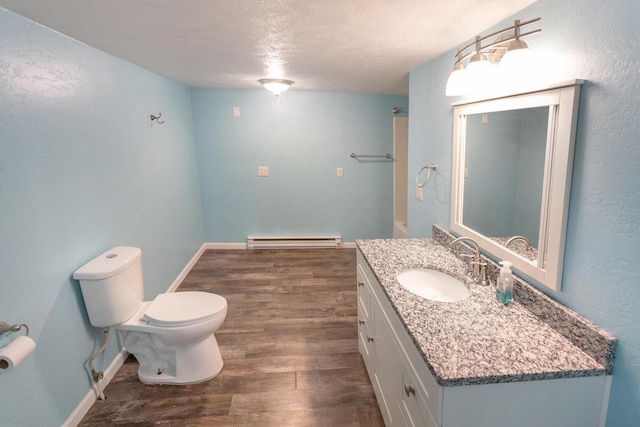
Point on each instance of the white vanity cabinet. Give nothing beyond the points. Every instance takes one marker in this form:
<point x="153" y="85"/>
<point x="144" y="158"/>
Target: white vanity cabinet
<point x="408" y="394"/>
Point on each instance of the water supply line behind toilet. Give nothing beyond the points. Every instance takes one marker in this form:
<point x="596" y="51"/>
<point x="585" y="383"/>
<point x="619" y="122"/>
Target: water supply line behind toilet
<point x="421" y="184"/>
<point x="98" y="375"/>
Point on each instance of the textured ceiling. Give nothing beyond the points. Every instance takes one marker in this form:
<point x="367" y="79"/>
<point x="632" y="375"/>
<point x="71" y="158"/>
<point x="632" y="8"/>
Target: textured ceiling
<point x="365" y="46"/>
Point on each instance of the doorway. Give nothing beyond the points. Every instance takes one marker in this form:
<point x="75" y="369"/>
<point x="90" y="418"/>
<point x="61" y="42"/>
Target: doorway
<point x="400" y="165"/>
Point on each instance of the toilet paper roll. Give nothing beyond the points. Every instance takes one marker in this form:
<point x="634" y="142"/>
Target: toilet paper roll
<point x="14" y="353"/>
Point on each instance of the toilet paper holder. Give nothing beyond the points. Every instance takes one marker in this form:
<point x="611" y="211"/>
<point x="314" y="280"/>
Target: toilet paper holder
<point x="7" y="329"/>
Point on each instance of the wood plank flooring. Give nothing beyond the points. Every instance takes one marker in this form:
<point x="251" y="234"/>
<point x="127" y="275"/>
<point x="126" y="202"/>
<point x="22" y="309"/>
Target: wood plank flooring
<point x="289" y="344"/>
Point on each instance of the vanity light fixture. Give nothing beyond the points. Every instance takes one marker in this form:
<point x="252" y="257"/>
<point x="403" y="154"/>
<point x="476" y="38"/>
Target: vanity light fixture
<point x="277" y="86"/>
<point x="484" y="58"/>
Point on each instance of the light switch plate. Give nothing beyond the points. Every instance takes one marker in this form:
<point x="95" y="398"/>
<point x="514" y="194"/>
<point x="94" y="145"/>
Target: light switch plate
<point x="340" y="172"/>
<point x="263" y="170"/>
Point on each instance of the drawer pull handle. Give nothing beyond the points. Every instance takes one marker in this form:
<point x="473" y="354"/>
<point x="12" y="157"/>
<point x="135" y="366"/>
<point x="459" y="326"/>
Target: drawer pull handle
<point x="409" y="390"/>
<point x="360" y="283"/>
<point x="370" y="339"/>
<point x="361" y="322"/>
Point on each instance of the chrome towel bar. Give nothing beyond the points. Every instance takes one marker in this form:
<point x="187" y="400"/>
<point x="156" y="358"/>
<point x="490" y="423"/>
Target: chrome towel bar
<point x="385" y="156"/>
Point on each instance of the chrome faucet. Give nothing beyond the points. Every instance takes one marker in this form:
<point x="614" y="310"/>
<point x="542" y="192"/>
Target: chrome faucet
<point x="516" y="238"/>
<point x="477" y="268"/>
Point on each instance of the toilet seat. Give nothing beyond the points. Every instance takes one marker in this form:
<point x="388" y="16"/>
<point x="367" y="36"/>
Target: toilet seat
<point x="184" y="308"/>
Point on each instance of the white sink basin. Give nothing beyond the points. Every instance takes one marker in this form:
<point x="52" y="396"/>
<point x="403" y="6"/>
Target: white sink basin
<point x="433" y="285"/>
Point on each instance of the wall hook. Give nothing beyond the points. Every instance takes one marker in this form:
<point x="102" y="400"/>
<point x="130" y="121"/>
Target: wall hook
<point x="156" y="118"/>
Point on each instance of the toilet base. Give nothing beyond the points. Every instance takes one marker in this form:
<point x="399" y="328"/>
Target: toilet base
<point x="184" y="364"/>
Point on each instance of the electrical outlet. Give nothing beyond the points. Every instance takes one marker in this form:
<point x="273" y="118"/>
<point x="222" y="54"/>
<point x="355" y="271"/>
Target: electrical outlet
<point x="236" y="111"/>
<point x="263" y="170"/>
<point x="419" y="194"/>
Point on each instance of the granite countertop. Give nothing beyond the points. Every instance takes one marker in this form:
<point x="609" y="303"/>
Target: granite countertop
<point x="479" y="340"/>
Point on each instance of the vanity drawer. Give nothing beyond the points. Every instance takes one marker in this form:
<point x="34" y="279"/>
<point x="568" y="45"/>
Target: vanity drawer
<point x="364" y="293"/>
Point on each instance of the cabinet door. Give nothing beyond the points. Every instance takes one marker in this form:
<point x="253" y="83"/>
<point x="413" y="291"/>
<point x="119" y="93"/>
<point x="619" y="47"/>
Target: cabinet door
<point x="414" y="400"/>
<point x="365" y="336"/>
<point x="565" y="402"/>
<point x="387" y="367"/>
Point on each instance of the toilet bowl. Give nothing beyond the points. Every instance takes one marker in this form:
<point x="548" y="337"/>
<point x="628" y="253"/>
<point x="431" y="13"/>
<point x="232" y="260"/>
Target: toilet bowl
<point x="172" y="337"/>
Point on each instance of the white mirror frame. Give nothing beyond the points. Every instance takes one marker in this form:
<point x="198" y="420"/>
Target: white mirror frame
<point x="562" y="100"/>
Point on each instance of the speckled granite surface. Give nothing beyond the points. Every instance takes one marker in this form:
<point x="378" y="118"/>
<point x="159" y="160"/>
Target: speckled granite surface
<point x="479" y="340"/>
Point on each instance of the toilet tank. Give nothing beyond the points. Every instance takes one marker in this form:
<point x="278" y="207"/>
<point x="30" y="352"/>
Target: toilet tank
<point x="112" y="286"/>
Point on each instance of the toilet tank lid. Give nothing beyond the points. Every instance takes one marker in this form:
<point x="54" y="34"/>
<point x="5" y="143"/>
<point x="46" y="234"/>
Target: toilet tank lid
<point x="108" y="263"/>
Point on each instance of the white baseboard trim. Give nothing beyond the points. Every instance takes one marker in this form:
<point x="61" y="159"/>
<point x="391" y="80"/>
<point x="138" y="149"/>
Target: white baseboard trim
<point x="185" y="271"/>
<point x="92" y="395"/>
<point x="242" y="245"/>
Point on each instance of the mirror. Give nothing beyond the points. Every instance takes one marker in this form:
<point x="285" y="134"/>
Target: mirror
<point x="512" y="161"/>
<point x="503" y="176"/>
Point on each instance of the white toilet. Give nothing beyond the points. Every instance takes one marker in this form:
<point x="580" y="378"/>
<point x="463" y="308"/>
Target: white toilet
<point x="171" y="336"/>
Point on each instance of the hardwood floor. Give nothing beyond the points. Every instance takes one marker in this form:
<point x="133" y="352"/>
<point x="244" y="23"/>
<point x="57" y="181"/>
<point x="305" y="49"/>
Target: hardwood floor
<point x="289" y="344"/>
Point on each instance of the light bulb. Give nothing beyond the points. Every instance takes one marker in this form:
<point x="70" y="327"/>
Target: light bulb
<point x="479" y="72"/>
<point x="518" y="55"/>
<point x="519" y="67"/>
<point x="457" y="84"/>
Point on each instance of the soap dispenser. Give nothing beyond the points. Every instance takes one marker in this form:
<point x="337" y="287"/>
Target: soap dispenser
<point x="504" y="287"/>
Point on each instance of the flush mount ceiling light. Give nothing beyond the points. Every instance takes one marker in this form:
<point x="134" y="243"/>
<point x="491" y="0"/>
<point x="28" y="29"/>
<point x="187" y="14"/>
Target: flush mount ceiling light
<point x="277" y="86"/>
<point x="464" y="79"/>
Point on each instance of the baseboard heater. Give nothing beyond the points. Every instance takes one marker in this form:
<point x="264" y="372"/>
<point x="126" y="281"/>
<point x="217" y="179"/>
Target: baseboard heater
<point x="294" y="242"/>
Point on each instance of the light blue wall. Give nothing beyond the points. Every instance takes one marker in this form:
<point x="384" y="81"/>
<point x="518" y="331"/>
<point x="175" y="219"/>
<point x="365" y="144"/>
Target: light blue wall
<point x="82" y="170"/>
<point x="303" y="138"/>
<point x="600" y="42"/>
